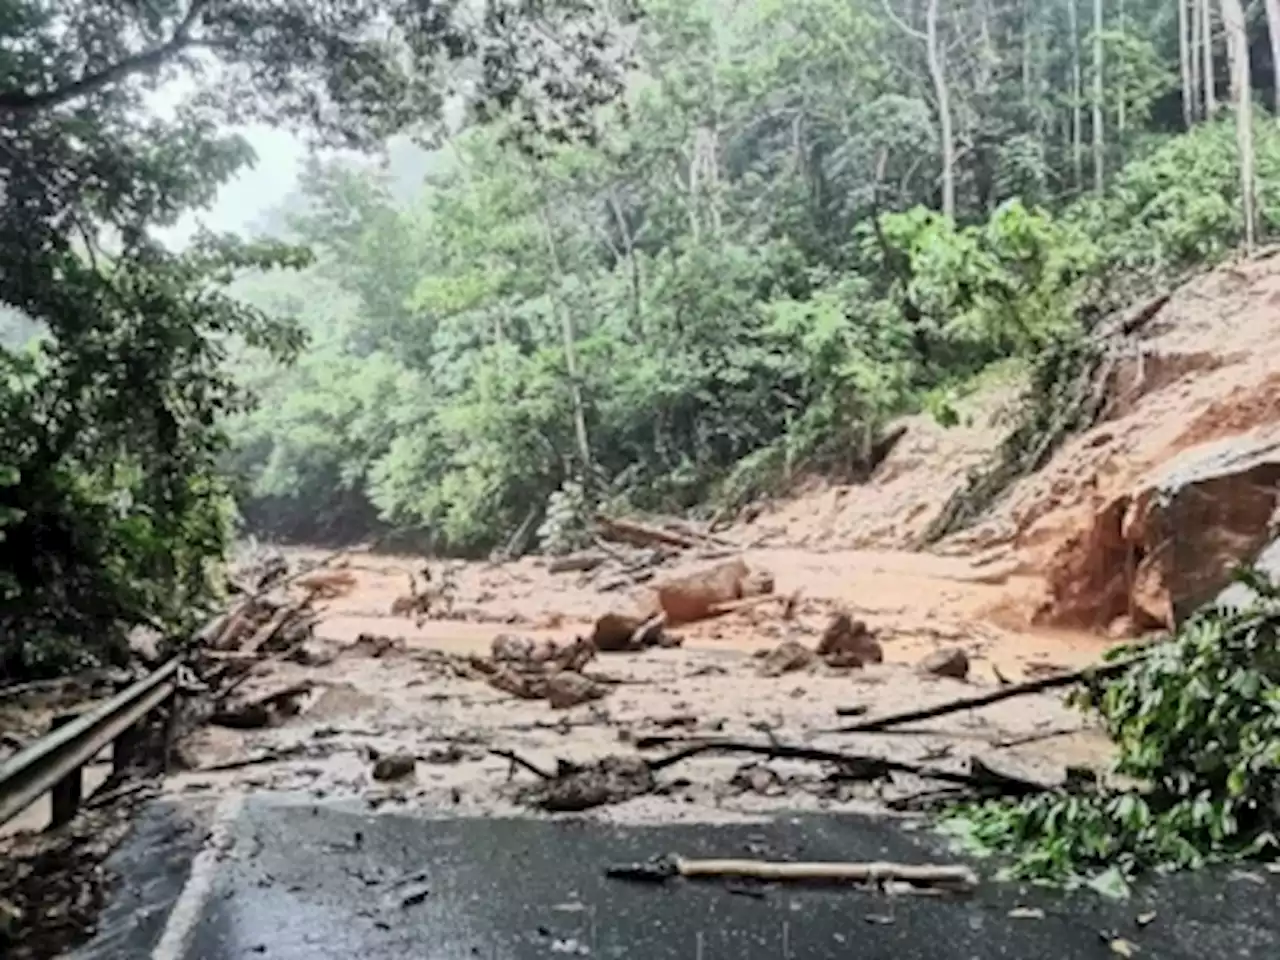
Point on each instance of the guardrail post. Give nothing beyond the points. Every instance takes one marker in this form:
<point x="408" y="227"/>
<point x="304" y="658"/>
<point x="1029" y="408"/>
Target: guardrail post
<point x="124" y="750"/>
<point x="172" y="705"/>
<point x="67" y="793"/>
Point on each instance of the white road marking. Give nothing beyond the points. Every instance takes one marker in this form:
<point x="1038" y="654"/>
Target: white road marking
<point x="198" y="889"/>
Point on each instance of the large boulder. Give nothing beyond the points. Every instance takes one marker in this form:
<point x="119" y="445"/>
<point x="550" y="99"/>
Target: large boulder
<point x="1170" y="546"/>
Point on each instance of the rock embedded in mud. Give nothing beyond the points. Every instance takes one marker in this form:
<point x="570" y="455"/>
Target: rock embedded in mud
<point x="950" y="662"/>
<point x="786" y="657"/>
<point x="394" y="766"/>
<point x="619" y="633"/>
<point x="567" y="689"/>
<point x="1170" y="543"/>
<point x="847" y="642"/>
<point x="696" y="596"/>
<point x="376" y="645"/>
<point x="611" y="780"/>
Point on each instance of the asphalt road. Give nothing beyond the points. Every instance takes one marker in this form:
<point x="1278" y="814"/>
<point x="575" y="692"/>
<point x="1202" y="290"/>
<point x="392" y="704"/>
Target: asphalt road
<point x="296" y="880"/>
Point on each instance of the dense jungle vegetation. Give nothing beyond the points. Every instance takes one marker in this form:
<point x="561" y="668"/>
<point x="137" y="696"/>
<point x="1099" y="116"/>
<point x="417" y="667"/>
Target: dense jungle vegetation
<point x="662" y="254"/>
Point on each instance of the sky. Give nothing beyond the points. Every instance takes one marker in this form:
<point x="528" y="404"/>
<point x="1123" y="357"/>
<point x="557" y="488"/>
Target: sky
<point x="253" y="190"/>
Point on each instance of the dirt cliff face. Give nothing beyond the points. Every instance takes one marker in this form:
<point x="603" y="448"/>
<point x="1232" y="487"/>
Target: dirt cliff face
<point x="1158" y="552"/>
<point x="1144" y="515"/>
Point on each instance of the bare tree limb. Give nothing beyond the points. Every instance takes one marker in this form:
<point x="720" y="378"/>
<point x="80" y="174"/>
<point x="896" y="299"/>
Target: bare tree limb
<point x="21" y="102"/>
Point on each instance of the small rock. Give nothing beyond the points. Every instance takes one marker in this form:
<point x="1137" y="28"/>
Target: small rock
<point x="394" y="766"/>
<point x="848" y="643"/>
<point x="947" y="662"/>
<point x="567" y="689"/>
<point x="1121" y="628"/>
<point x="785" y="658"/>
<point x="446" y="755"/>
<point x="312" y="654"/>
<point x="415" y="895"/>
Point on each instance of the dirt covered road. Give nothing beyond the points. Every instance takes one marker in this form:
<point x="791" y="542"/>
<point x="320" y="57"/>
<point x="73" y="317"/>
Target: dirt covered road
<point x="1097" y="545"/>
<point x="401" y="694"/>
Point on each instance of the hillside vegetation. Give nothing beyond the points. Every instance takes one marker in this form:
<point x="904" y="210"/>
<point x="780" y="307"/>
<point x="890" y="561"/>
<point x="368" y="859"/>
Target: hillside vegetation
<point x="766" y="254"/>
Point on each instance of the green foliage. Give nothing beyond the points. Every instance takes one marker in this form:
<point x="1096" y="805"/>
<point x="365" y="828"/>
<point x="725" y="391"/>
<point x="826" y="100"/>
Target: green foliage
<point x="1196" y="724"/>
<point x="114" y="381"/>
<point x="1179" y="205"/>
<point x="741" y="279"/>
<point x="1006" y="287"/>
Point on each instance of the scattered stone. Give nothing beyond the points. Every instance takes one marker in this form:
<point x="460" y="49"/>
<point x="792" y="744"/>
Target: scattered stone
<point x="786" y="657"/>
<point x="619" y="633"/>
<point x="574" y="788"/>
<point x="394" y="766"/>
<point x="376" y="645"/>
<point x="758" y="778"/>
<point x="312" y="654"/>
<point x="446" y="755"/>
<point x="950" y="662"/>
<point x="415" y="895"/>
<point x="567" y="689"/>
<point x="847" y="642"/>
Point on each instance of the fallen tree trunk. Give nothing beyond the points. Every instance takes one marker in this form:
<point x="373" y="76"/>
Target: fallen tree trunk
<point x="632" y="532"/>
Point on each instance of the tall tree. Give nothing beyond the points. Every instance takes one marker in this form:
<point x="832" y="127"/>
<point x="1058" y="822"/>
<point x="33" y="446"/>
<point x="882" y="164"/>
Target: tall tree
<point x="1077" y="94"/>
<point x="1099" y="144"/>
<point x="1206" y="50"/>
<point x="935" y="58"/>
<point x="1237" y="36"/>
<point x="1273" y="31"/>
<point x="1184" y="64"/>
<point x="1193" y="55"/>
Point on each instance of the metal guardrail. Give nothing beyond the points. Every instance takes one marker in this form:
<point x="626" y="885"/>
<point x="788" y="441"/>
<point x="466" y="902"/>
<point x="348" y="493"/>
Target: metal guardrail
<point x="55" y="761"/>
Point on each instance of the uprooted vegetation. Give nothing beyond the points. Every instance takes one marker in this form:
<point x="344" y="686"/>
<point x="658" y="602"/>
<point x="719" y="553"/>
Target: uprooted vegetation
<point x="1197" y="723"/>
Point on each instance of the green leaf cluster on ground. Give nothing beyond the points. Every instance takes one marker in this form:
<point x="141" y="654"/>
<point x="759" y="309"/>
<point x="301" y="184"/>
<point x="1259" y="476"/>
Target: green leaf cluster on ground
<point x="1196" y="724"/>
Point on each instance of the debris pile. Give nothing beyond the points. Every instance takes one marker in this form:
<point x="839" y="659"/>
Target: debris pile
<point x="273" y="615"/>
<point x="629" y="553"/>
<point x="541" y="670"/>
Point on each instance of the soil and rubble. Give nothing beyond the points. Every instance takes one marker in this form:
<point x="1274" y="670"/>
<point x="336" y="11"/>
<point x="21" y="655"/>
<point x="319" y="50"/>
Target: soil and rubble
<point x="770" y="628"/>
<point x="672" y="671"/>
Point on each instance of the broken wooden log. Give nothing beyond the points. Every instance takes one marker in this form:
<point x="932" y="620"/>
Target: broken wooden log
<point x="575" y="563"/>
<point x="945" y="876"/>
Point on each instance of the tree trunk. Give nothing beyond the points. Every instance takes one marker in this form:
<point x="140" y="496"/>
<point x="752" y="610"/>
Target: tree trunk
<point x="1273" y="29"/>
<point x="570" y="359"/>
<point x="1206" y="31"/>
<point x="1238" y="58"/>
<point x="1077" y="95"/>
<point x="1193" y="56"/>
<point x="1121" y="115"/>
<point x="629" y="246"/>
<point x="937" y="71"/>
<point x="1184" y="64"/>
<point x="1099" y="145"/>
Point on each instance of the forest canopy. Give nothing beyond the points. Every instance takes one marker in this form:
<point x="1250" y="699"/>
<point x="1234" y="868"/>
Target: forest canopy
<point x="801" y="220"/>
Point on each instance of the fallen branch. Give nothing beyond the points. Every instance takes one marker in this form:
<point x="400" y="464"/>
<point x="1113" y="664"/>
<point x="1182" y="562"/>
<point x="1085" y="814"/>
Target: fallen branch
<point x="1096" y="671"/>
<point x="957" y="877"/>
<point x="518" y="761"/>
<point x="980" y="777"/>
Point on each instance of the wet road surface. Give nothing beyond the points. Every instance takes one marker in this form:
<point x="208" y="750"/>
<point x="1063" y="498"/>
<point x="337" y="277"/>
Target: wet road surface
<point x="297" y="880"/>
